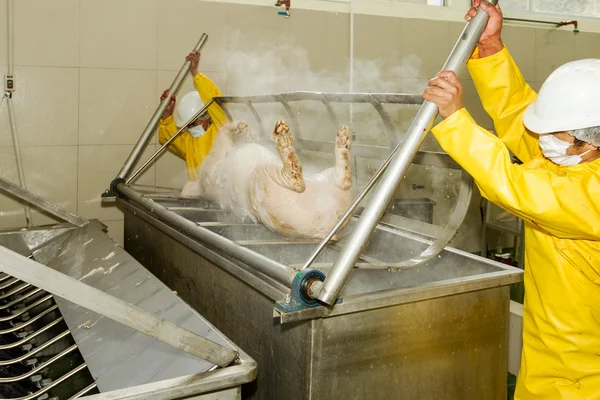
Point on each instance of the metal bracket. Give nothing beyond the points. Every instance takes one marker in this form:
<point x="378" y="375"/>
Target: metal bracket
<point x="111" y="194"/>
<point x="299" y="299"/>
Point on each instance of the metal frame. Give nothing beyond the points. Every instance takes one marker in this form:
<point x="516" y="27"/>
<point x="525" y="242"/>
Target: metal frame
<point x="111" y="307"/>
<point x="282" y="273"/>
<point x="39" y="202"/>
<point x="389" y="176"/>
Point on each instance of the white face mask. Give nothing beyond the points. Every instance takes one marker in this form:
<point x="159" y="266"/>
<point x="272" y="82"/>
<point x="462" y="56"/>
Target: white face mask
<point x="555" y="150"/>
<point x="197" y="131"/>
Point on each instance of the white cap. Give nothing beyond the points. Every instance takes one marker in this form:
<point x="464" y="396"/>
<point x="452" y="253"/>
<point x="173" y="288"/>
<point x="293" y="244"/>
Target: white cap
<point x="187" y="107"/>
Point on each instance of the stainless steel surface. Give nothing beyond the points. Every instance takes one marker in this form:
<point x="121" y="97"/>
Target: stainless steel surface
<point x="437" y="328"/>
<point x="114" y="357"/>
<point x="93" y="299"/>
<point x="164" y="147"/>
<point x="384" y="192"/>
<point x="41" y="203"/>
<point x="106" y="267"/>
<point x="137" y="151"/>
<point x="278" y="271"/>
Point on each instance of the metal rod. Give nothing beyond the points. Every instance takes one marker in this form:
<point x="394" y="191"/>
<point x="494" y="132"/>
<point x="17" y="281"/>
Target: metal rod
<point x="29" y="321"/>
<point x="557" y="24"/>
<point x="397" y="169"/>
<point x="24" y="310"/>
<point x="14" y="291"/>
<point x="84" y="391"/>
<point x="35" y="350"/>
<point x="137" y="151"/>
<point x="167" y="143"/>
<point x="20" y="299"/>
<point x="53" y="384"/>
<point x="116" y="309"/>
<point x="33" y="335"/>
<point x="281" y="273"/>
<point x="40" y="202"/>
<point x="39" y="367"/>
<point x="5" y="285"/>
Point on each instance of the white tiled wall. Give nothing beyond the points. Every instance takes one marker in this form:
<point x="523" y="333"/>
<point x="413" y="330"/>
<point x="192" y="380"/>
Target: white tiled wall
<point x="89" y="74"/>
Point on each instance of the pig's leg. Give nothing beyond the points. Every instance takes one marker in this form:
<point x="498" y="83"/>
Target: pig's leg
<point x="225" y="139"/>
<point x="290" y="175"/>
<point x="342" y="175"/>
<point x="224" y="143"/>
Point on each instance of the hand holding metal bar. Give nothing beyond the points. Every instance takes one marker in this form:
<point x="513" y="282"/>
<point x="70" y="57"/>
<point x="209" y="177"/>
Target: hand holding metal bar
<point x="398" y="166"/>
<point x="136" y="153"/>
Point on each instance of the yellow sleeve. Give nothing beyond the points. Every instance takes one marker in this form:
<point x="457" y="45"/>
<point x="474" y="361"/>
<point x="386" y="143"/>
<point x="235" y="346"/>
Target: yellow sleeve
<point x="560" y="202"/>
<point x="505" y="95"/>
<point x="166" y="129"/>
<point x="207" y="90"/>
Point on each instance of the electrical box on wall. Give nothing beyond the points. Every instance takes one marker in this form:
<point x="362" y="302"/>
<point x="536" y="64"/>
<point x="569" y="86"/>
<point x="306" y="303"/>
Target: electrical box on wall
<point x="9" y="83"/>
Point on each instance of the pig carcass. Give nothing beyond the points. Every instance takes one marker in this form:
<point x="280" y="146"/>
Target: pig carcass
<point x="247" y="178"/>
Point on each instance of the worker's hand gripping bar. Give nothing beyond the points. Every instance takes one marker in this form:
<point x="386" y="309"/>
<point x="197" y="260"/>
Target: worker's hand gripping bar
<point x="136" y="153"/>
<point x="329" y="290"/>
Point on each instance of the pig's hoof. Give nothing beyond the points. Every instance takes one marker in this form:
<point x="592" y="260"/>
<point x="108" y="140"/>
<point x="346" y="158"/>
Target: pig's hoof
<point x="241" y="128"/>
<point x="343" y="138"/>
<point x="281" y="135"/>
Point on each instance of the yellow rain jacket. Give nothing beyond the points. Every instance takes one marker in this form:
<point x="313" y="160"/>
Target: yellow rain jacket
<point x="194" y="150"/>
<point x="561" y="210"/>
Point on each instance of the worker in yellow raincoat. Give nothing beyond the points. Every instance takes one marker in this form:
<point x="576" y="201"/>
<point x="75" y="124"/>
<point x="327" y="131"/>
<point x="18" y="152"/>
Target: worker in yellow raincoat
<point x="195" y="143"/>
<point x="556" y="191"/>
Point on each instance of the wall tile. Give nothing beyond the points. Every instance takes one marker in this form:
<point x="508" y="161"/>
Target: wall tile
<point x="416" y="41"/>
<point x="119" y="34"/>
<point x="97" y="167"/>
<point x="46" y="106"/>
<point x="12" y="214"/>
<point x="257" y="40"/>
<point x="520" y="42"/>
<point x="47" y="32"/>
<point x="171" y="171"/>
<point x="51" y="172"/>
<point x="116" y="105"/>
<point x="587" y="45"/>
<point x="308" y="48"/>
<point x="5" y="132"/>
<point x="3" y="34"/>
<point x="179" y="31"/>
<point x="553" y="48"/>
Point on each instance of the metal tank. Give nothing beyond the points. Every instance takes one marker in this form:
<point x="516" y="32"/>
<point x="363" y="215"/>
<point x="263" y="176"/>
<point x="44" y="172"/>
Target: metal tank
<point x="388" y="311"/>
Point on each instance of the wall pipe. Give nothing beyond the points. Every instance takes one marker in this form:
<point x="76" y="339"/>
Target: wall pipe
<point x="137" y="151"/>
<point x="11" y="111"/>
<point x="390" y="180"/>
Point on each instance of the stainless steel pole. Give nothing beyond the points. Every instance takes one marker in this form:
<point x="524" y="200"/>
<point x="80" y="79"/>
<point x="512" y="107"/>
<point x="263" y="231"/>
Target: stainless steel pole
<point x="397" y="169"/>
<point x="137" y="151"/>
